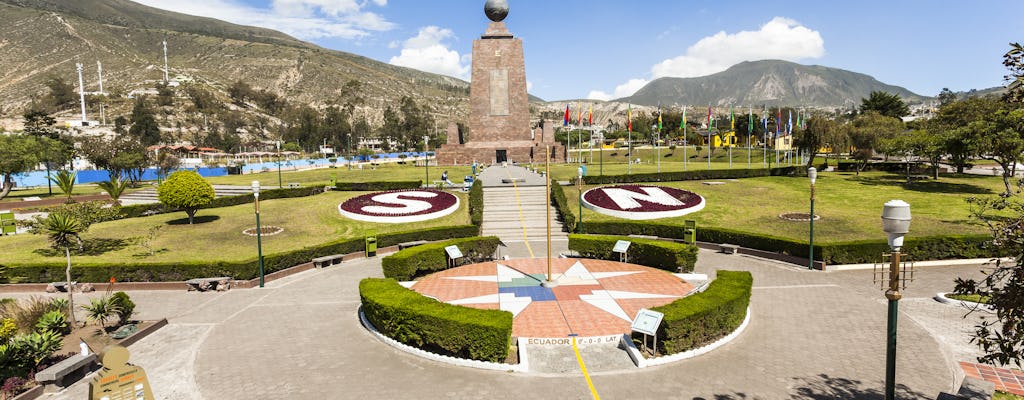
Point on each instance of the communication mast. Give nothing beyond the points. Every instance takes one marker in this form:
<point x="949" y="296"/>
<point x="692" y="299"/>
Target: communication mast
<point x="99" y="71"/>
<point x="81" y="90"/>
<point x="166" y="78"/>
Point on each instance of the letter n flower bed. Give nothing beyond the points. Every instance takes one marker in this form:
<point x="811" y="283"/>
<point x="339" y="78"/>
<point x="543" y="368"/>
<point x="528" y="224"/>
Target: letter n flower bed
<point x="642" y="202"/>
<point x="400" y="206"/>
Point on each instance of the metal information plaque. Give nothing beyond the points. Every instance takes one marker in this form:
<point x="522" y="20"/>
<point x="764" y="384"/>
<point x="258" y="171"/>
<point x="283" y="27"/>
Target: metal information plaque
<point x="621" y="246"/>
<point x="453" y="252"/>
<point x="647" y="321"/>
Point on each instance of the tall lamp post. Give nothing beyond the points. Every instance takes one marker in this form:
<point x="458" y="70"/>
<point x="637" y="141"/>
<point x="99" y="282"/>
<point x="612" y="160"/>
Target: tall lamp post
<point x="279" y="185"/>
<point x="579" y="188"/>
<point x="896" y="223"/>
<point x="426" y="160"/>
<point x="812" y="173"/>
<point x="259" y="231"/>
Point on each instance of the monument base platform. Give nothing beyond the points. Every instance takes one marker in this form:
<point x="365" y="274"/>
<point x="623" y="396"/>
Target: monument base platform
<point x="522" y="152"/>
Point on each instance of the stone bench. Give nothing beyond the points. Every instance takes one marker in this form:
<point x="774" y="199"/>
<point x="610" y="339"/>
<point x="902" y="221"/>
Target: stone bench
<point x="294" y="185"/>
<point x="64" y="373"/>
<point x="648" y="237"/>
<point x="54" y="287"/>
<point x="325" y="261"/>
<point x="219" y="284"/>
<point x="729" y="248"/>
<point x="406" y="245"/>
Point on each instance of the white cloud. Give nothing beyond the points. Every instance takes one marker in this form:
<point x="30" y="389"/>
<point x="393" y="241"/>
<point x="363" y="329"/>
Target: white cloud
<point x="781" y="38"/>
<point x="529" y="86"/>
<point x="304" y="19"/>
<point x="622" y="90"/>
<point x="427" y="52"/>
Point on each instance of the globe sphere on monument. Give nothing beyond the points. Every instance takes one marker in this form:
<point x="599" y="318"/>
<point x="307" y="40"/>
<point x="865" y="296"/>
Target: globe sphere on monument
<point x="496" y="10"/>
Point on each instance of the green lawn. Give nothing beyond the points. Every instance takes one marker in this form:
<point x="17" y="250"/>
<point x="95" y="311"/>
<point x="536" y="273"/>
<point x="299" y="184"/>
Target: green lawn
<point x="306" y="221"/>
<point x="614" y="161"/>
<point x="850" y="206"/>
<point x="322" y="176"/>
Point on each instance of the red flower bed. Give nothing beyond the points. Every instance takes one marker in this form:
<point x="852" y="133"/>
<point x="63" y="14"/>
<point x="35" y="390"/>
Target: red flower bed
<point x="400" y="203"/>
<point x="649" y="202"/>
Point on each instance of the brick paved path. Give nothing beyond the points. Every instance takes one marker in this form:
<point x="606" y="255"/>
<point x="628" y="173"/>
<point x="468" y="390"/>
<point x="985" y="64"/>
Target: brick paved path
<point x="812" y="335"/>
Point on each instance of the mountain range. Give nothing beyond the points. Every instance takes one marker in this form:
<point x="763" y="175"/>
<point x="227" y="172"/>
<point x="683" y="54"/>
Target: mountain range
<point x="770" y="82"/>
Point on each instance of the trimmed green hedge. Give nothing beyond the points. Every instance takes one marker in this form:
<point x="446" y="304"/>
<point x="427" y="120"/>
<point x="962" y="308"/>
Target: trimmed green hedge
<point x="476" y="203"/>
<point x="660" y="254"/>
<point x="887" y="166"/>
<point x="694" y="175"/>
<point x="562" y="207"/>
<point x="376" y="186"/>
<point x="421" y="260"/>
<point x="242" y="270"/>
<point x="141" y="210"/>
<point x="431" y="325"/>
<point x="705" y="317"/>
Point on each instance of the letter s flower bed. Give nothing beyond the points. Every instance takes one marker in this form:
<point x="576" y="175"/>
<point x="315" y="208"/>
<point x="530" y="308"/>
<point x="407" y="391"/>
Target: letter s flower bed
<point x="431" y="325"/>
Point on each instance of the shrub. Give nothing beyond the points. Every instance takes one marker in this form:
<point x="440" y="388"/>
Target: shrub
<point x="422" y="322"/>
<point x="476" y="203"/>
<point x="36" y="346"/>
<point x="186" y="190"/>
<point x="420" y="260"/>
<point x="124" y="306"/>
<point x="705" y="317"/>
<point x="562" y="207"/>
<point x="7" y="329"/>
<point x="27" y="312"/>
<point x="13" y="386"/>
<point x="660" y="254"/>
<point x="376" y="186"/>
<point x="100" y="309"/>
<point x="142" y="210"/>
<point x="54" y="321"/>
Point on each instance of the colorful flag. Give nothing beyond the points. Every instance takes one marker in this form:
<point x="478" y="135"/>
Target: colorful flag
<point x="565" y="121"/>
<point x="750" y="121"/>
<point x="590" y="119"/>
<point x="579" y="115"/>
<point x="659" y="120"/>
<point x="764" y="120"/>
<point x="629" y="118"/>
<point x="789" y="124"/>
<point x="732" y="119"/>
<point x="778" y="123"/>
<point x="682" y="121"/>
<point x="709" y="119"/>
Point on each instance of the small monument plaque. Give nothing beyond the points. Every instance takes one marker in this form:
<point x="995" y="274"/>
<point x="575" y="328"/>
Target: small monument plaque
<point x="119" y="380"/>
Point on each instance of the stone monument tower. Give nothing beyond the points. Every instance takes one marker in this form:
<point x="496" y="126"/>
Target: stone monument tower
<point x="499" y="115"/>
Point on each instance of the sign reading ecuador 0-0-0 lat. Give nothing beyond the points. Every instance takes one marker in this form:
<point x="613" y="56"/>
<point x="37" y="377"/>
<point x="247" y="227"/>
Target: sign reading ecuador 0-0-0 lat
<point x="642" y="201"/>
<point x="400" y="206"/>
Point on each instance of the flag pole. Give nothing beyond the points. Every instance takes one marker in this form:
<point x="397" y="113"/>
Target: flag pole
<point x="684" y="138"/>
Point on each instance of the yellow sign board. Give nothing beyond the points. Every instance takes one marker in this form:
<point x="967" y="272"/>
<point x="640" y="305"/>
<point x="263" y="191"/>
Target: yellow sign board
<point x="119" y="380"/>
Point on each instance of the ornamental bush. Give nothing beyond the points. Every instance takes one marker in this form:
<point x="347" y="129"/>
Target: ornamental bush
<point x="476" y="203"/>
<point x="660" y="254"/>
<point x="431" y="325"/>
<point x="562" y="207"/>
<point x="420" y="260"/>
<point x="700" y="319"/>
<point x="186" y="190"/>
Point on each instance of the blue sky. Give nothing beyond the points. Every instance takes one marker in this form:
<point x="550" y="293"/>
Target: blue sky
<point x="603" y="49"/>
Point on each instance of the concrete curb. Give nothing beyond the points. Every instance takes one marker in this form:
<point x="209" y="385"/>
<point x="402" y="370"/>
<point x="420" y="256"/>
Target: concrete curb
<point x="941" y="298"/>
<point x="521" y="367"/>
<point x="642" y="362"/>
<point x="930" y="263"/>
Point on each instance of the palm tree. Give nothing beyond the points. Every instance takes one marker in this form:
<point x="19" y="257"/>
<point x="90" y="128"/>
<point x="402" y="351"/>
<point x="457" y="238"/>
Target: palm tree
<point x="63" y="230"/>
<point x="65" y="180"/>
<point x="115" y="187"/>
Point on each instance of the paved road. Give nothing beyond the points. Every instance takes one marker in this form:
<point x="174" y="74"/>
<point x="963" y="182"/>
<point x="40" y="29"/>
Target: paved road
<point x="813" y="335"/>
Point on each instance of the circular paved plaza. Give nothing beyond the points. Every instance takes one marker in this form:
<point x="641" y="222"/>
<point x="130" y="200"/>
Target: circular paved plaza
<point x="812" y="334"/>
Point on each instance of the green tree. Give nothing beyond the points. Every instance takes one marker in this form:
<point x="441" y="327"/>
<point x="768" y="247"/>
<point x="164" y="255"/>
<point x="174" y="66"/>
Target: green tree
<point x="18" y="153"/>
<point x="1000" y="138"/>
<point x="952" y="124"/>
<point x="164" y="95"/>
<point x="65" y="180"/>
<point x="62" y="95"/>
<point x="186" y="190"/>
<point x="63" y="232"/>
<point x="144" y="126"/>
<point x="867" y="131"/>
<point x="114" y="188"/>
<point x="1013" y="60"/>
<point x="819" y="130"/>
<point x="238" y="92"/>
<point x="946" y="96"/>
<point x="887" y="104"/>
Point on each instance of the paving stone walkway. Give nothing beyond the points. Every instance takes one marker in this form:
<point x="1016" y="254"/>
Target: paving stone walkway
<point x="812" y="334"/>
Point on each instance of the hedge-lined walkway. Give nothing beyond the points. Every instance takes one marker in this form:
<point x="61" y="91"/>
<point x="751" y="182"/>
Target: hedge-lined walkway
<point x="812" y="335"/>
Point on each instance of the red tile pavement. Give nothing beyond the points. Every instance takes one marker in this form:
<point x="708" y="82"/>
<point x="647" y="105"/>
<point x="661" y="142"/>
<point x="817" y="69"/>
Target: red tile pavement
<point x="568" y="314"/>
<point x="1006" y="380"/>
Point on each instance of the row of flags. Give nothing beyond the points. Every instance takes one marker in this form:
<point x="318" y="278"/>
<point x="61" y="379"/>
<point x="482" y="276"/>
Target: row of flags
<point x="801" y="120"/>
<point x="579" y="118"/>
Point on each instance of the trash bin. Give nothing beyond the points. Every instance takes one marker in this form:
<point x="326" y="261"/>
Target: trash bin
<point x="371" y="246"/>
<point x="690" y="232"/>
<point x="7" y="224"/>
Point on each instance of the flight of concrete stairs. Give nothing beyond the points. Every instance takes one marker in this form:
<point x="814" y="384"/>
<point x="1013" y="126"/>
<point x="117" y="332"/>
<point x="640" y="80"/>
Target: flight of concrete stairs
<point x="148" y="196"/>
<point x="502" y="217"/>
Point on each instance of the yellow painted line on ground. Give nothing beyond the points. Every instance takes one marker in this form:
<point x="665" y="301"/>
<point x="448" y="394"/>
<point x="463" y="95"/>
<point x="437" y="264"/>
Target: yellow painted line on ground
<point x="583" y="367"/>
<point x="522" y="220"/>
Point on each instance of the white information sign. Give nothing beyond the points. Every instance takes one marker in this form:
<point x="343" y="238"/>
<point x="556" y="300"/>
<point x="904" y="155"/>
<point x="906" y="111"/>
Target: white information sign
<point x="647" y="321"/>
<point x="621" y="246"/>
<point x="453" y="252"/>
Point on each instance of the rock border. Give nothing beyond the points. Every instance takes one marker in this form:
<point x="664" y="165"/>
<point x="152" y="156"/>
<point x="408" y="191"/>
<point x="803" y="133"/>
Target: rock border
<point x="642" y="362"/>
<point x="784" y="217"/>
<point x="279" y="230"/>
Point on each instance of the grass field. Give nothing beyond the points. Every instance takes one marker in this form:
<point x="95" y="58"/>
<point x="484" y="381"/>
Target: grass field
<point x="218" y="233"/>
<point x="850" y="206"/>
